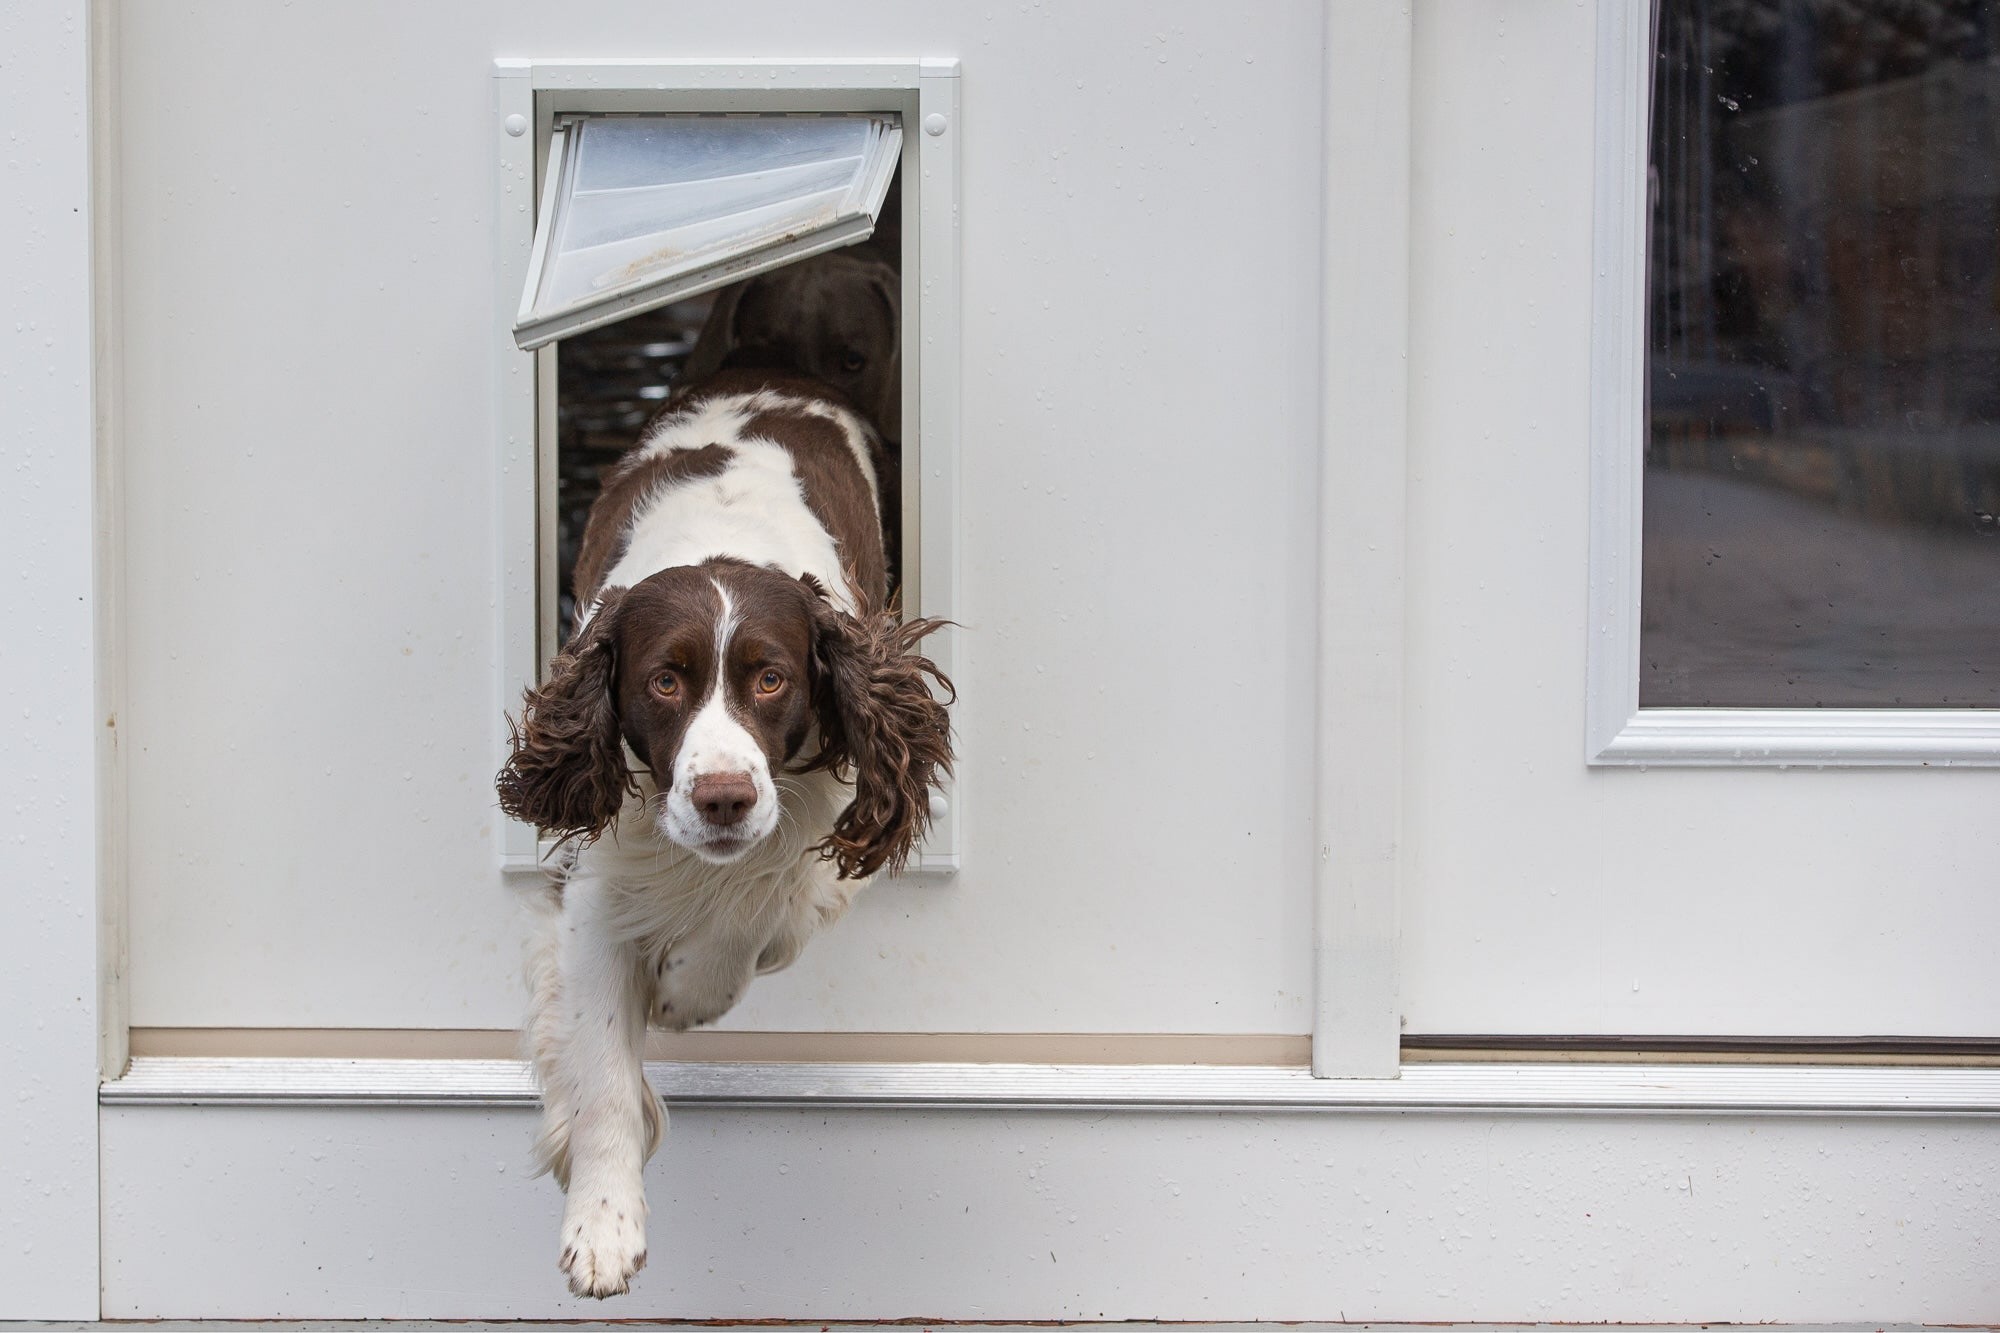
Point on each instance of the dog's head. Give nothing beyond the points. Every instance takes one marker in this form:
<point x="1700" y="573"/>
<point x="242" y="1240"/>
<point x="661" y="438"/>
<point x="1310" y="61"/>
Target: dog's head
<point x="717" y="675"/>
<point x="835" y="317"/>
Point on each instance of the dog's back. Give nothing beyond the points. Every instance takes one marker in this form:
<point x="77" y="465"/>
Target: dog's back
<point x="772" y="469"/>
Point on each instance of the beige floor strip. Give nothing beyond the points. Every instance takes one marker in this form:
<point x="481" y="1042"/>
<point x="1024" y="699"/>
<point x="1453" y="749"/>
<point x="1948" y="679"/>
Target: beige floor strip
<point x="1046" y="1048"/>
<point x="1060" y="1048"/>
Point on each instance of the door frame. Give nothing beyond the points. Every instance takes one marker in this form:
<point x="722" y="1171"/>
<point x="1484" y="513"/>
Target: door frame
<point x="50" y="951"/>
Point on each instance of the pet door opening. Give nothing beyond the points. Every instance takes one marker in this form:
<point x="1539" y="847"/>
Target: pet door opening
<point x="612" y="379"/>
<point x="656" y="219"/>
<point x="668" y="247"/>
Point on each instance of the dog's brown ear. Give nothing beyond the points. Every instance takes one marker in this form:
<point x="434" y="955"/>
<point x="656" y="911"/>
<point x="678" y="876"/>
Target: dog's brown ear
<point x="567" y="773"/>
<point x="879" y="720"/>
<point x="717" y="338"/>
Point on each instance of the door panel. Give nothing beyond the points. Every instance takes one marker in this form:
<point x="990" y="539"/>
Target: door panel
<point x="311" y="503"/>
<point x="1542" y="896"/>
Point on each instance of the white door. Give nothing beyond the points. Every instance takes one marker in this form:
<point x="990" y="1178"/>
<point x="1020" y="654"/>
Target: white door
<point x="320" y="489"/>
<point x="1816" y="860"/>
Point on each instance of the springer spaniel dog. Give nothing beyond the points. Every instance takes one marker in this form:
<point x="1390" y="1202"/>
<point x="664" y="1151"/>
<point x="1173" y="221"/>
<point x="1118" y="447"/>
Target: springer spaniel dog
<point x="737" y="735"/>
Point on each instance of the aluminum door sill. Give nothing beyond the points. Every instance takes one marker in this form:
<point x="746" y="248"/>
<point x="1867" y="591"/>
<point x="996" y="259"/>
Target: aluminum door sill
<point x="1723" y="1089"/>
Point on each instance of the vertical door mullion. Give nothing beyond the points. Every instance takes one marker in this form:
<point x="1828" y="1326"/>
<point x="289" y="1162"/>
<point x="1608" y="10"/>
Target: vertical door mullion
<point x="1364" y="322"/>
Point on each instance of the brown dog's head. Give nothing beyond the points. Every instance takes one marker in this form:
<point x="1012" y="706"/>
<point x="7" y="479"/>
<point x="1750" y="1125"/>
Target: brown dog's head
<point x="835" y="317"/>
<point x="716" y="675"/>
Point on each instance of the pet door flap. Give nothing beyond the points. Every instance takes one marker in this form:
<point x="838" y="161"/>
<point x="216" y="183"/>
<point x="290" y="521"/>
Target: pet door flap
<point x="640" y="210"/>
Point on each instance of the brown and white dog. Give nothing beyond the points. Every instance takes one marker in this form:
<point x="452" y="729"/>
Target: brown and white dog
<point x="738" y="734"/>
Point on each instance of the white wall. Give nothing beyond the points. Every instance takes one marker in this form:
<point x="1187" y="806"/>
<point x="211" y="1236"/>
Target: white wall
<point x="1541" y="896"/>
<point x="48" y="860"/>
<point x="312" y="560"/>
<point x="859" y="1215"/>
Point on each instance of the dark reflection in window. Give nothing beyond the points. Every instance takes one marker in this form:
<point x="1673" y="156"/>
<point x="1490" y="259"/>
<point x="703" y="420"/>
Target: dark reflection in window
<point x="1823" y="460"/>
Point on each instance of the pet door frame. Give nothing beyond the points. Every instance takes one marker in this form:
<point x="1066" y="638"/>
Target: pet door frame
<point x="528" y="96"/>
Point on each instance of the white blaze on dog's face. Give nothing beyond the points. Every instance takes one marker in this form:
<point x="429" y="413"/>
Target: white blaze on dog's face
<point x="714" y="694"/>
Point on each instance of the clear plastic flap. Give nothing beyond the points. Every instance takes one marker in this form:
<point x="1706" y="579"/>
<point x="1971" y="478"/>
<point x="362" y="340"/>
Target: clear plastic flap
<point x="640" y="210"/>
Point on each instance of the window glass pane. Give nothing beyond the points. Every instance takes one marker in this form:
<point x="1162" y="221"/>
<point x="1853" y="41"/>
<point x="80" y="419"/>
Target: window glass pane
<point x="1823" y="461"/>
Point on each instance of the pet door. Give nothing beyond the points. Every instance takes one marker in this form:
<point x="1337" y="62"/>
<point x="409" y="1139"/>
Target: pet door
<point x="641" y="210"/>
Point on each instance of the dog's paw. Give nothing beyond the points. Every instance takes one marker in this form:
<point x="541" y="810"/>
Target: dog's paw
<point x="604" y="1244"/>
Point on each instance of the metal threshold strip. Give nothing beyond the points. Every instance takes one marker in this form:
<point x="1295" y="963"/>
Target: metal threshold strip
<point x="1486" y="1087"/>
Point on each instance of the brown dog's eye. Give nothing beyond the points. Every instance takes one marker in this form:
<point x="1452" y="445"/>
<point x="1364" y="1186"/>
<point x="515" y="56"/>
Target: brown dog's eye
<point x="770" y="683"/>
<point x="667" y="685"/>
<point x="853" y="362"/>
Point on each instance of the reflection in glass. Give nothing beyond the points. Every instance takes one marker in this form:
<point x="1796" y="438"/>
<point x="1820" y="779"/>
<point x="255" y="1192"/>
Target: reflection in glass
<point x="1823" y="460"/>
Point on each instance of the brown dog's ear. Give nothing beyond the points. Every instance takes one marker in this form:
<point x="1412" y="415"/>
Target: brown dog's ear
<point x="567" y="773"/>
<point x="878" y="718"/>
<point x="717" y="338"/>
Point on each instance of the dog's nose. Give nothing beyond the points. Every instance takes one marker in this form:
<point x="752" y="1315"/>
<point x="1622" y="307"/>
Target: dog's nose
<point x="724" y="798"/>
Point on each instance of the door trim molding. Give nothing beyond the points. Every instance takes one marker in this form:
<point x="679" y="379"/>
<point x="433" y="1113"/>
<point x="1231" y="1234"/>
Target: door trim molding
<point x="1363" y="485"/>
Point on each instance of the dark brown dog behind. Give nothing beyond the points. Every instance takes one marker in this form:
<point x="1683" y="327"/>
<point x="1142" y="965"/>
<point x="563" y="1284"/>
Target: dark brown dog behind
<point x="836" y="317"/>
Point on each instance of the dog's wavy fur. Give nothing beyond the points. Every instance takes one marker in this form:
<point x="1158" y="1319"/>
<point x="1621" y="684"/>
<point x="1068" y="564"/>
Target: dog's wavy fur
<point x="567" y="773"/>
<point x="879" y="721"/>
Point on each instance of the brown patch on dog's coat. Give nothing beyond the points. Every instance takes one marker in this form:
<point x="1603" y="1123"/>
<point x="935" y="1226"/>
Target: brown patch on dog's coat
<point x="824" y="464"/>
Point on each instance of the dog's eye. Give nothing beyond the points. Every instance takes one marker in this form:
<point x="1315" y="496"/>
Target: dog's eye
<point x="770" y="682"/>
<point x="852" y="362"/>
<point x="667" y="685"/>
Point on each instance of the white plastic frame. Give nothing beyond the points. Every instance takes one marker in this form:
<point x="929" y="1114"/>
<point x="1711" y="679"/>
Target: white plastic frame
<point x="527" y="96"/>
<point x="1617" y="730"/>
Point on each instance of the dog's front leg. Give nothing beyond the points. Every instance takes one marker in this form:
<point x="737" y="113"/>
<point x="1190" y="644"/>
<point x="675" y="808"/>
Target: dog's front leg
<point x="615" y="1120"/>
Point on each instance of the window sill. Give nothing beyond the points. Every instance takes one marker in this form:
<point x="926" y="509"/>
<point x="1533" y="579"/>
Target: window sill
<point x="1808" y="737"/>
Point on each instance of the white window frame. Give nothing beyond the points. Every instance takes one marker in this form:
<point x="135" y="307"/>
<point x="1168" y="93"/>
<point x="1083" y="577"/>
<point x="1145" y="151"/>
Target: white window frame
<point x="1617" y="730"/>
<point x="527" y="97"/>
